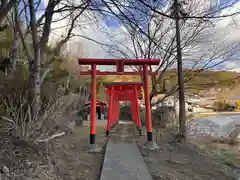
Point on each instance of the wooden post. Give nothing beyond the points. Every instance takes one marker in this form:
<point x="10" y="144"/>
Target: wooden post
<point x="110" y="113"/>
<point x="93" y="105"/>
<point x="137" y="114"/>
<point x="147" y="103"/>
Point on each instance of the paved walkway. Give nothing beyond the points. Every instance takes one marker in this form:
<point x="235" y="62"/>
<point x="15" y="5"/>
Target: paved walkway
<point x="123" y="160"/>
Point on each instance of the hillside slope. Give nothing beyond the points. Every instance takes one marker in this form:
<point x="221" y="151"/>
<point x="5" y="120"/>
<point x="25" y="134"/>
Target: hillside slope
<point x="196" y="82"/>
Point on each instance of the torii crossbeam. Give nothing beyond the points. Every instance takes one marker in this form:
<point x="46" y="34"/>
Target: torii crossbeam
<point x="119" y="63"/>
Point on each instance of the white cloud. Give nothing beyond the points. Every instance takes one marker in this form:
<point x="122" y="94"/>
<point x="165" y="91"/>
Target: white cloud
<point x="226" y="29"/>
<point x="230" y="24"/>
<point x="90" y="26"/>
<point x="232" y="66"/>
<point x="217" y="39"/>
<point x="229" y="28"/>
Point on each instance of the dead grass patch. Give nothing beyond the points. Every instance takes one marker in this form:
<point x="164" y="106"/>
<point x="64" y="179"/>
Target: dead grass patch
<point x="227" y="152"/>
<point x="183" y="161"/>
<point x="71" y="158"/>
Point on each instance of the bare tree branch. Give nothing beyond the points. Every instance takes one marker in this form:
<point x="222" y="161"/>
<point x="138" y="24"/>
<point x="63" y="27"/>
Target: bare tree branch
<point x="5" y="8"/>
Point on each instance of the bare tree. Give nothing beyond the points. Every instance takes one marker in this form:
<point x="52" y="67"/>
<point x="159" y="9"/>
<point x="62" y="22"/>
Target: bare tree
<point x="40" y="31"/>
<point x="182" y="114"/>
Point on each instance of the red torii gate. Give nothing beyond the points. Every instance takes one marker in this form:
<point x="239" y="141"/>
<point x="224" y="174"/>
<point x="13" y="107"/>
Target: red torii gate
<point x="101" y="104"/>
<point x="120" y="71"/>
<point x="123" y="91"/>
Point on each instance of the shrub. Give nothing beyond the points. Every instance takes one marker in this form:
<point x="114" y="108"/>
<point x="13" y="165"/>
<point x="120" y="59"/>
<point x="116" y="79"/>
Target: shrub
<point x="221" y="106"/>
<point x="163" y="116"/>
<point x="125" y="112"/>
<point x="142" y="116"/>
<point x="19" y="122"/>
<point x="14" y="84"/>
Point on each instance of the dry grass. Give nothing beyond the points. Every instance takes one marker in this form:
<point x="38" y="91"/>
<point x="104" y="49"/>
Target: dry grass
<point x="99" y="123"/>
<point x="71" y="158"/>
<point x="65" y="158"/>
<point x="22" y="151"/>
<point x="183" y="162"/>
<point x="228" y="153"/>
<point x="215" y="140"/>
<point x="204" y="115"/>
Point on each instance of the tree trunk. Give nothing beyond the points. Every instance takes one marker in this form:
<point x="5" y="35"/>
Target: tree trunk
<point x="34" y="65"/>
<point x="44" y="74"/>
<point x="13" y="55"/>
<point x="35" y="85"/>
<point x="182" y="115"/>
<point x="153" y="91"/>
<point x="5" y="8"/>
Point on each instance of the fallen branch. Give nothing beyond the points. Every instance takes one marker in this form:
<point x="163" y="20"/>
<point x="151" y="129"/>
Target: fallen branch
<point x="7" y="119"/>
<point x="51" y="137"/>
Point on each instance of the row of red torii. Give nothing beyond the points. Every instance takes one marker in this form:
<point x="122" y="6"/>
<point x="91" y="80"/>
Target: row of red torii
<point x="120" y="91"/>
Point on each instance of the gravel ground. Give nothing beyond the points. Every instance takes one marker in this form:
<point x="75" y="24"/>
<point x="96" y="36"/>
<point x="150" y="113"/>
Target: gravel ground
<point x="72" y="159"/>
<point x="182" y="162"/>
<point x="68" y="159"/>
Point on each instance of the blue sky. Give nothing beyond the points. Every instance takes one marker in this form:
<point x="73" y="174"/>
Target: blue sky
<point x="40" y="8"/>
<point x="113" y="23"/>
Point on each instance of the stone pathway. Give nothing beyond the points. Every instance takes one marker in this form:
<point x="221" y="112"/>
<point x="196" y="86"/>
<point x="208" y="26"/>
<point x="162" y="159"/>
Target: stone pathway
<point x="123" y="160"/>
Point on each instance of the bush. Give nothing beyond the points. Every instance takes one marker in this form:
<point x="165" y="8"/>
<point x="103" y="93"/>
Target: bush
<point x="221" y="106"/>
<point x="19" y="122"/>
<point x="142" y="116"/>
<point x="163" y="116"/>
<point x="19" y="130"/>
<point x="125" y="112"/>
<point x="21" y="136"/>
<point x="14" y="84"/>
<point x="159" y="117"/>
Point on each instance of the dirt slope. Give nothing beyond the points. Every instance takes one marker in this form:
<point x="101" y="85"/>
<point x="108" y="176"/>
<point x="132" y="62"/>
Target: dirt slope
<point x="180" y="162"/>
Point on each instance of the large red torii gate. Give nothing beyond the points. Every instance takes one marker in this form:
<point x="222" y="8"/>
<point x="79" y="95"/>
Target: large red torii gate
<point x="119" y="63"/>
